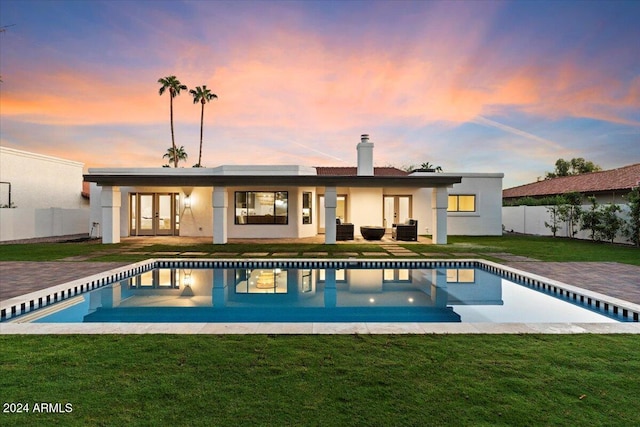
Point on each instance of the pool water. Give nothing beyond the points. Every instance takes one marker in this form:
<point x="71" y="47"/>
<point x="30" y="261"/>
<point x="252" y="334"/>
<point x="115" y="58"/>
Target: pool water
<point x="317" y="295"/>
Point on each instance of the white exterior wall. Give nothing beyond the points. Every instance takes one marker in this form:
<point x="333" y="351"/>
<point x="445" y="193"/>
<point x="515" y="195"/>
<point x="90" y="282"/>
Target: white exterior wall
<point x="364" y="207"/>
<point x="40" y="182"/>
<point x="485" y="221"/>
<point x="531" y="219"/>
<point x="47" y="194"/>
<point x="26" y="223"/>
<point x="196" y="221"/>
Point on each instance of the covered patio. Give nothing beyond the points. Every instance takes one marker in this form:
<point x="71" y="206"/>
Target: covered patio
<point x="223" y="182"/>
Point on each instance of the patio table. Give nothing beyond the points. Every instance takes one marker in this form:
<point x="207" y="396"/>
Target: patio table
<point x="372" y="232"/>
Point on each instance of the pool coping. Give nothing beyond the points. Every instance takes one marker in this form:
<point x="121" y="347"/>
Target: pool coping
<point x="23" y="304"/>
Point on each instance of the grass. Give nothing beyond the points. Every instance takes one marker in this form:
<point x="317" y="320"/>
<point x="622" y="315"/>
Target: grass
<point x="379" y="380"/>
<point x="324" y="380"/>
<point x="542" y="248"/>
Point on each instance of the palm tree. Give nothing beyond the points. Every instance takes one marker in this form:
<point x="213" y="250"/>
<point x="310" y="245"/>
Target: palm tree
<point x="201" y="95"/>
<point x="176" y="154"/>
<point x="430" y="168"/>
<point x="174" y="86"/>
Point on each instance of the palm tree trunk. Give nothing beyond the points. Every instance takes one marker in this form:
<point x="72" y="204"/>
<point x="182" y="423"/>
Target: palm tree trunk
<point x="201" y="126"/>
<point x="173" y="141"/>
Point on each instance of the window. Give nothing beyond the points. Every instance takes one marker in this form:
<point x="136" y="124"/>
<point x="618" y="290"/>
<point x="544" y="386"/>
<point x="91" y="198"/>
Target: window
<point x="466" y="275"/>
<point x="306" y="208"/>
<point x="261" y="281"/>
<point x="341" y="275"/>
<point x="163" y="278"/>
<point x="462" y="203"/>
<point x="396" y="275"/>
<point x="261" y="207"/>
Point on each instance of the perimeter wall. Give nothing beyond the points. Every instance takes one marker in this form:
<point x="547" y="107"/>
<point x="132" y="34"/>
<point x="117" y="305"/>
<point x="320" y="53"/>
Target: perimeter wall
<point x="531" y="219"/>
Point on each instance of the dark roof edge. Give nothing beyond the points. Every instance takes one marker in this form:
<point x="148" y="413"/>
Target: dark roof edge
<point x="272" y="180"/>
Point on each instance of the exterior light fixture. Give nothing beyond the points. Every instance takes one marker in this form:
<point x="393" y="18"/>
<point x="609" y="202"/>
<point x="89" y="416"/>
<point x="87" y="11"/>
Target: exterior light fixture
<point x="186" y="280"/>
<point x="187" y="202"/>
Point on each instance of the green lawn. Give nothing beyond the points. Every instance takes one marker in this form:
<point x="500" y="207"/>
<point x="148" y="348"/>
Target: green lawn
<point x="542" y="248"/>
<point x="341" y="380"/>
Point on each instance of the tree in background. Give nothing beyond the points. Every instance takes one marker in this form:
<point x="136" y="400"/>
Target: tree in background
<point x="176" y="154"/>
<point x="430" y="168"/>
<point x="570" y="212"/>
<point x="611" y="223"/>
<point x="632" y="229"/>
<point x="201" y="95"/>
<point x="554" y="225"/>
<point x="575" y="166"/>
<point x="174" y="86"/>
<point x="592" y="219"/>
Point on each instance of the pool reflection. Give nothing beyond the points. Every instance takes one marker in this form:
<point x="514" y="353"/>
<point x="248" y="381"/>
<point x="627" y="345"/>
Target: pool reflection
<point x="294" y="295"/>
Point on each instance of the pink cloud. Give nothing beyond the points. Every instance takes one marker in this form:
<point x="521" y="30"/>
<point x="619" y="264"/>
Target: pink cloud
<point x="276" y="79"/>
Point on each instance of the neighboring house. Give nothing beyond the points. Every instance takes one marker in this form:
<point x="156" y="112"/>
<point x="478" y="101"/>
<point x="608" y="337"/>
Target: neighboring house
<point x="608" y="186"/>
<point x="291" y="201"/>
<point x="41" y="196"/>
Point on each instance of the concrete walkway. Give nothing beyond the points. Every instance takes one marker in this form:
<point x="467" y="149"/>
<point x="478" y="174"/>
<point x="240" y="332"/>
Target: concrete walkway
<point x="609" y="278"/>
<point x="19" y="278"/>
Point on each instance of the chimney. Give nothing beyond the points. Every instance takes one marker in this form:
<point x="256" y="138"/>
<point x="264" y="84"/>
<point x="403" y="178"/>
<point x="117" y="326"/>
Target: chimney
<point x="365" y="156"/>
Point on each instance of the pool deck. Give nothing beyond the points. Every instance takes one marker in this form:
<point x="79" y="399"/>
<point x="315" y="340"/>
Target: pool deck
<point x="620" y="281"/>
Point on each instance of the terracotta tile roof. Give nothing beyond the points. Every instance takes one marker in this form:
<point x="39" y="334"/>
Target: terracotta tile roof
<point x="353" y="171"/>
<point x="624" y="178"/>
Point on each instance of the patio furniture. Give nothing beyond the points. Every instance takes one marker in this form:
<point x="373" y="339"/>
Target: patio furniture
<point x="344" y="231"/>
<point x="372" y="232"/>
<point x="407" y="231"/>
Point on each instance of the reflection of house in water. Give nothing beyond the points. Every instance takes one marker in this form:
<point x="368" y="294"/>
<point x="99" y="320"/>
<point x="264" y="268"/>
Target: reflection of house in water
<point x="268" y="294"/>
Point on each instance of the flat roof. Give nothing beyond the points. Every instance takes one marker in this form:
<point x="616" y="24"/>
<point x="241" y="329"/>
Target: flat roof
<point x="204" y="179"/>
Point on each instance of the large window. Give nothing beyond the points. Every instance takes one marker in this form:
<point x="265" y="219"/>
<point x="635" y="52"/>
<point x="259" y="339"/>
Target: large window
<point x="261" y="281"/>
<point x="462" y="203"/>
<point x="261" y="207"/>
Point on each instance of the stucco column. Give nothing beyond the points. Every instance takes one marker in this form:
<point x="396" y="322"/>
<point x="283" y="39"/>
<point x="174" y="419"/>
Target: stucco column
<point x="330" y="291"/>
<point x="330" y="204"/>
<point x="439" y="203"/>
<point x="439" y="295"/>
<point x="110" y="201"/>
<point x="219" y="292"/>
<point x="220" y="205"/>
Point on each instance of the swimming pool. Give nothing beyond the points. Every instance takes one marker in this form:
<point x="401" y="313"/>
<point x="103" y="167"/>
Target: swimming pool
<point x="231" y="291"/>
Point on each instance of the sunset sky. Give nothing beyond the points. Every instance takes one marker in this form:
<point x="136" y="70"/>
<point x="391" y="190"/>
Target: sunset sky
<point x="470" y="86"/>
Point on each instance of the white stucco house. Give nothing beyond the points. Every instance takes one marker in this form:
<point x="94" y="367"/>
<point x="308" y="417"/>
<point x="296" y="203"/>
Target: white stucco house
<point x="289" y="201"/>
<point x="41" y="196"/>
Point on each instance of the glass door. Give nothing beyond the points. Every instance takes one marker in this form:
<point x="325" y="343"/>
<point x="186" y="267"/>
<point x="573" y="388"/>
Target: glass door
<point x="397" y="209"/>
<point x="153" y="214"/>
<point x="164" y="217"/>
<point x="146" y="215"/>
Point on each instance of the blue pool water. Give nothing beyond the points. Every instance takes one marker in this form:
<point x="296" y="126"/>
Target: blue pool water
<point x="465" y="294"/>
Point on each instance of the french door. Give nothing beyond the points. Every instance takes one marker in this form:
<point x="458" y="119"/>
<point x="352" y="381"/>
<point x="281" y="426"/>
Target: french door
<point x="154" y="214"/>
<point x="397" y="209"/>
